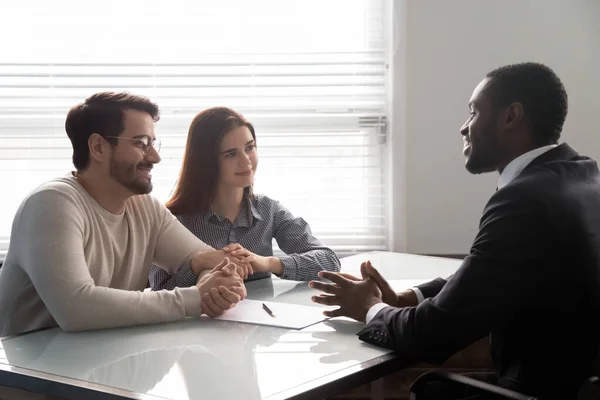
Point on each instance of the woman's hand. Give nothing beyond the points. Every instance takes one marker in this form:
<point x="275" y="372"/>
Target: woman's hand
<point x="207" y="260"/>
<point x="258" y="263"/>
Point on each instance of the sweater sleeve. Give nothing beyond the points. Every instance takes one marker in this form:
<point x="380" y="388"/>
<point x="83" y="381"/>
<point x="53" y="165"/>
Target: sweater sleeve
<point x="175" y="244"/>
<point x="51" y="232"/>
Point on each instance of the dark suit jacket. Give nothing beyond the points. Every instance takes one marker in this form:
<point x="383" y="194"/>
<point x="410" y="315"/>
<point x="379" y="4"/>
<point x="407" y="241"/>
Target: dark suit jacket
<point x="531" y="281"/>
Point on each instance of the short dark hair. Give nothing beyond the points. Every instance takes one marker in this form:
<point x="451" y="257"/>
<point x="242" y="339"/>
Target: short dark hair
<point x="102" y="113"/>
<point x="539" y="90"/>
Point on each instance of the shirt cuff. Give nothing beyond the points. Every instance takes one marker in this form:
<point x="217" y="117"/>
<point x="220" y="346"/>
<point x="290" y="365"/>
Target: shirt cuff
<point x="419" y="294"/>
<point x="374" y="310"/>
<point x="289" y="267"/>
<point x="192" y="301"/>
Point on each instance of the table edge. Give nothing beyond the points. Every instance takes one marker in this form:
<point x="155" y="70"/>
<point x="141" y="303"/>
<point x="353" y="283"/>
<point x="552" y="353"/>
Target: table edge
<point x="343" y="380"/>
<point x="56" y="385"/>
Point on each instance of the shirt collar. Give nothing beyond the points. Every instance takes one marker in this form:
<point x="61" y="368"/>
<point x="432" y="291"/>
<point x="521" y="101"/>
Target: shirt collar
<point x="243" y="217"/>
<point x="254" y="211"/>
<point x="209" y="214"/>
<point x="516" y="166"/>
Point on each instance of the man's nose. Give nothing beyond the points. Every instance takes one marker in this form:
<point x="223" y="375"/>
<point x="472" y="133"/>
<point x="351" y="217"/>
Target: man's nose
<point x="152" y="155"/>
<point x="464" y="130"/>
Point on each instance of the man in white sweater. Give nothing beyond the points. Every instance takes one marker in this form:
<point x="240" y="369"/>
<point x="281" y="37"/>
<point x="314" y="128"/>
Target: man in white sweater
<point x="81" y="245"/>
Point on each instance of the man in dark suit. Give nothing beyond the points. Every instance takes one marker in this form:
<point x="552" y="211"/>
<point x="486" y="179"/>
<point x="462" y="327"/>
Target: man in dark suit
<point x="532" y="278"/>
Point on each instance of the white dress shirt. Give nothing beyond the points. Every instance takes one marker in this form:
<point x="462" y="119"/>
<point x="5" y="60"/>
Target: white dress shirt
<point x="512" y="170"/>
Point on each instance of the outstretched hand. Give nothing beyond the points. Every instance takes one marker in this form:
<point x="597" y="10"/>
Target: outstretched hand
<point x="353" y="295"/>
<point x="388" y="295"/>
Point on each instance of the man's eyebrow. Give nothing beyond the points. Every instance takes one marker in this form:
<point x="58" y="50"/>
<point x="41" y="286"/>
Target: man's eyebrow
<point x="141" y="136"/>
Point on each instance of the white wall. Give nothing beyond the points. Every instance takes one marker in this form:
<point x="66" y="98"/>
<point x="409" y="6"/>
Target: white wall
<point x="442" y="50"/>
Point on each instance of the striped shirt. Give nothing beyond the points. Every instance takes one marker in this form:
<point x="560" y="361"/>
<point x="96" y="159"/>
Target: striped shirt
<point x="254" y="229"/>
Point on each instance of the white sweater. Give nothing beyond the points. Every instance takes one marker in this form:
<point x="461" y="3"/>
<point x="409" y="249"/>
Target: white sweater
<point x="71" y="262"/>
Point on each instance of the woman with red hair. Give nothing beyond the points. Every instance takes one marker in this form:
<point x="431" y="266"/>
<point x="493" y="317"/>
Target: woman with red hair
<point x="214" y="199"/>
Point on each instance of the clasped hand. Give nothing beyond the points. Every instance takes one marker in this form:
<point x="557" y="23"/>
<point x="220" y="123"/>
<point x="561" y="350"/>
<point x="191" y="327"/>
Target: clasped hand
<point x="256" y="263"/>
<point x="221" y="289"/>
<point x="208" y="259"/>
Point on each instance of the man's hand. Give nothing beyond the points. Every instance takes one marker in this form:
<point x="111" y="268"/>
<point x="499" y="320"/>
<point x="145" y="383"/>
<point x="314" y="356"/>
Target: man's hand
<point x="389" y="296"/>
<point x="221" y="289"/>
<point x="258" y="263"/>
<point x="208" y="259"/>
<point x="354" y="296"/>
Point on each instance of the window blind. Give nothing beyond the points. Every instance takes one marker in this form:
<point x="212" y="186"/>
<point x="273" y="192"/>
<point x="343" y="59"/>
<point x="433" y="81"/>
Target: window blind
<point x="309" y="76"/>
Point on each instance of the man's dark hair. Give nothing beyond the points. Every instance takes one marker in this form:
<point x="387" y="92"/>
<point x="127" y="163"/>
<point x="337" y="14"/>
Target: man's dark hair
<point x="539" y="90"/>
<point x="102" y="113"/>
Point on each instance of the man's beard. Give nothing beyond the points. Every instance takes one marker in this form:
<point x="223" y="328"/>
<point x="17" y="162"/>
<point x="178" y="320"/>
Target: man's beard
<point x="479" y="163"/>
<point x="126" y="175"/>
<point x="483" y="157"/>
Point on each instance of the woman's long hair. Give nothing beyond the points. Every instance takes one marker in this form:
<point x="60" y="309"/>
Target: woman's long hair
<point x="196" y="186"/>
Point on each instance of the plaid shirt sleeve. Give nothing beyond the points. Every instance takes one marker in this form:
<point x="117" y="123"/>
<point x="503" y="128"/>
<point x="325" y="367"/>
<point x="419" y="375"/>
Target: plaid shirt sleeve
<point x="161" y="279"/>
<point x="305" y="255"/>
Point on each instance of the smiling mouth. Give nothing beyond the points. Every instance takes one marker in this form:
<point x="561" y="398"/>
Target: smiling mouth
<point x="146" y="171"/>
<point x="244" y="173"/>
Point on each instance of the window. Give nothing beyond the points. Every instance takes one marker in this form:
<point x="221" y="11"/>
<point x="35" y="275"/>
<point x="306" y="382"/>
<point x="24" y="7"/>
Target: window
<point x="309" y="75"/>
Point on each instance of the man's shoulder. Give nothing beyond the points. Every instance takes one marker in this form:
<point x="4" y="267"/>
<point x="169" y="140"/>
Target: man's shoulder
<point x="58" y="188"/>
<point x="52" y="200"/>
<point x="553" y="180"/>
<point x="525" y="193"/>
<point x="533" y="180"/>
<point x="544" y="190"/>
<point x="561" y="166"/>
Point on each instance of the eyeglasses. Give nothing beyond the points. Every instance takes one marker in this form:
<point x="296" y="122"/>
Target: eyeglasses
<point x="143" y="142"/>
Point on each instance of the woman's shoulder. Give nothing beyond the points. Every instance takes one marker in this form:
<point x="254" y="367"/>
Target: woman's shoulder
<point x="263" y="199"/>
<point x="263" y="203"/>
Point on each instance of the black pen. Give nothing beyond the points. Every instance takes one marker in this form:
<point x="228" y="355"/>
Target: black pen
<point x="268" y="310"/>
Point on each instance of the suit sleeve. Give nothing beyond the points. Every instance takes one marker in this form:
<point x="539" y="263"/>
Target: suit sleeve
<point x="432" y="288"/>
<point x="499" y="277"/>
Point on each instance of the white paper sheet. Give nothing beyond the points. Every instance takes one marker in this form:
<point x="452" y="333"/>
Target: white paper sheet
<point x="290" y="316"/>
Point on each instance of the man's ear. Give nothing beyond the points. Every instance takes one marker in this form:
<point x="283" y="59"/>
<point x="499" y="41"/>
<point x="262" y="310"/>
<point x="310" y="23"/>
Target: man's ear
<point x="98" y="147"/>
<point x="514" y="116"/>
